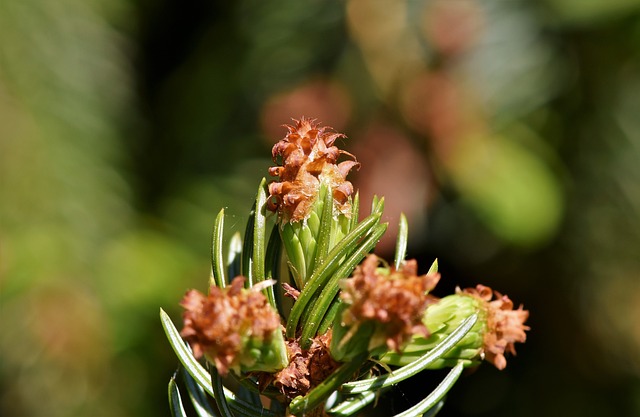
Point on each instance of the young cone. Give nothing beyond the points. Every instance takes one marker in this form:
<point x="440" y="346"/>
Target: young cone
<point x="309" y="179"/>
<point x="498" y="328"/>
<point x="234" y="328"/>
<point x="382" y="308"/>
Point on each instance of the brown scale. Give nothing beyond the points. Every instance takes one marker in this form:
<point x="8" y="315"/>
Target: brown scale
<point x="505" y="325"/>
<point x="308" y="158"/>
<point x="214" y="324"/>
<point x="397" y="300"/>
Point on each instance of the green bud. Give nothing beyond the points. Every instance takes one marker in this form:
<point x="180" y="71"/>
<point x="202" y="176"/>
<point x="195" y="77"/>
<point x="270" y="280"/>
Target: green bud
<point x="308" y="241"/>
<point x="441" y="319"/>
<point x="498" y="328"/>
<point x="267" y="354"/>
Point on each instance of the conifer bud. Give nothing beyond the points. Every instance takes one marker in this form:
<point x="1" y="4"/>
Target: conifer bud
<point x="382" y="308"/>
<point x="309" y="169"/>
<point x="234" y="328"/>
<point x="496" y="331"/>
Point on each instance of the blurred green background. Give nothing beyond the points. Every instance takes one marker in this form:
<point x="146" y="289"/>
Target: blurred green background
<point x="508" y="131"/>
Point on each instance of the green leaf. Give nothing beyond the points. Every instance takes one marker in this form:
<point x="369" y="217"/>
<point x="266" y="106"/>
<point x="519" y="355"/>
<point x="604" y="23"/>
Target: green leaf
<point x="434" y="267"/>
<point x="355" y="211"/>
<point x="324" y="272"/>
<point x="331" y="289"/>
<point x="218" y="393"/>
<point x="307" y="245"/>
<point x="401" y="242"/>
<point x="435" y="409"/>
<point x="374" y="202"/>
<point x="353" y="404"/>
<point x="198" y="397"/>
<point x="327" y="321"/>
<point x="259" y="233"/>
<point x="435" y="397"/>
<point x="247" y="389"/>
<point x="217" y="257"/>
<point x="175" y="402"/>
<point x="400" y="374"/>
<point x="295" y="254"/>
<point x="272" y="262"/>
<point x="201" y="376"/>
<point x="324" y="232"/>
<point x="234" y="261"/>
<point x="247" y="248"/>
<point x="313" y="219"/>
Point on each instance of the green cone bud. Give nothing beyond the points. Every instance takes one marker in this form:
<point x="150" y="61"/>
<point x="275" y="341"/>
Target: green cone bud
<point x="441" y="319"/>
<point x="268" y="354"/>
<point x="307" y="241"/>
<point x="498" y="327"/>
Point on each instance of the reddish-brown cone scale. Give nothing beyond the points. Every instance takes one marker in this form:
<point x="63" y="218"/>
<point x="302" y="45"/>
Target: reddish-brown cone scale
<point x="505" y="326"/>
<point x="216" y="324"/>
<point x="308" y="158"/>
<point x="397" y="299"/>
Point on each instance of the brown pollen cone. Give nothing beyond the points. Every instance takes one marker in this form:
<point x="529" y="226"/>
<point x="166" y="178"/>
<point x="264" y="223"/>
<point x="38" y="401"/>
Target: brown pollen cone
<point x="397" y="300"/>
<point x="505" y="326"/>
<point x="309" y="157"/>
<point x="216" y="325"/>
<point x="307" y="368"/>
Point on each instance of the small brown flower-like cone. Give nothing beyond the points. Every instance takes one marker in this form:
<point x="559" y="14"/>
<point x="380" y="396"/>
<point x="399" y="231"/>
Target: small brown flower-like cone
<point x="505" y="326"/>
<point x="309" y="158"/>
<point x="307" y="368"/>
<point x="393" y="301"/>
<point x="234" y="328"/>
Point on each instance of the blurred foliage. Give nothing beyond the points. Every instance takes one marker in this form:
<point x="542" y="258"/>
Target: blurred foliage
<point x="506" y="130"/>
